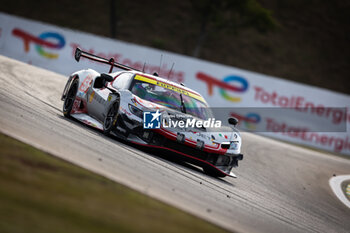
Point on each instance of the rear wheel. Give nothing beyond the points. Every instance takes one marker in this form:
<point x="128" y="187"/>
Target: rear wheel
<point x="110" y="120"/>
<point x="70" y="98"/>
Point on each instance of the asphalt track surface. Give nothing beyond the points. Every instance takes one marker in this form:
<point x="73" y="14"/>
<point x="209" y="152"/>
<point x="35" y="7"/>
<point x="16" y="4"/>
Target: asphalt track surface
<point x="280" y="187"/>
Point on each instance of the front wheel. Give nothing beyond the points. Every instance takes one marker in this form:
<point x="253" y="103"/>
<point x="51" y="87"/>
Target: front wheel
<point x="110" y="120"/>
<point x="70" y="98"/>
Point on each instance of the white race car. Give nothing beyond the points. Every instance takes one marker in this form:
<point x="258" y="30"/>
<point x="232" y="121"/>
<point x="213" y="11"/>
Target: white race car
<point x="151" y="111"/>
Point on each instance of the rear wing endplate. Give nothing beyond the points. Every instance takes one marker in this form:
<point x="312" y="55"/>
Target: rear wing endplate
<point x="80" y="53"/>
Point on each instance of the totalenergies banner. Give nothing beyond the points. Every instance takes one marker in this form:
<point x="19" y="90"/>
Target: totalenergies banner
<point x="251" y="97"/>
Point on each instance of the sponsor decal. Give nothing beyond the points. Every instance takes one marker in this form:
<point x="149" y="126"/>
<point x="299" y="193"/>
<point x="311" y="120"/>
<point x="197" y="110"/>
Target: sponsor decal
<point x="98" y="97"/>
<point x="225" y="85"/>
<point x="250" y="120"/>
<point x="91" y="97"/>
<point x="85" y="84"/>
<point x="273" y="125"/>
<point x="300" y="104"/>
<point x="337" y="144"/>
<point x="44" y="40"/>
<point x="170" y="87"/>
<point x="151" y="120"/>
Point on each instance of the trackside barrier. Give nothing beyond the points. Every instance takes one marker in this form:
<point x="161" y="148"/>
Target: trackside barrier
<point x="244" y="94"/>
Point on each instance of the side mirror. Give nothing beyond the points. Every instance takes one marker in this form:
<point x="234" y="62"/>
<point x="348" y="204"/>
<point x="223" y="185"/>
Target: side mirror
<point x="233" y="121"/>
<point x="107" y="77"/>
<point x="102" y="80"/>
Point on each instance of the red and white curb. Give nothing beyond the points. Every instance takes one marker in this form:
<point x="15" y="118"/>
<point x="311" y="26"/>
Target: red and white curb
<point x="335" y="183"/>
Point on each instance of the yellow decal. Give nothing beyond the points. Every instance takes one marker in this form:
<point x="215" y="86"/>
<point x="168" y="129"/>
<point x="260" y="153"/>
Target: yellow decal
<point x="170" y="87"/>
<point x="109" y="98"/>
<point x="91" y="97"/>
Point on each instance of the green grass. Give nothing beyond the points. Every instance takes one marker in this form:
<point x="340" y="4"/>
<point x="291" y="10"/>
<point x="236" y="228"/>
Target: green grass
<point x="41" y="193"/>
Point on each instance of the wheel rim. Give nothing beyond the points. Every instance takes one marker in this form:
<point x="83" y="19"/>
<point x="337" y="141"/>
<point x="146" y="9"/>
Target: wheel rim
<point x="110" y="118"/>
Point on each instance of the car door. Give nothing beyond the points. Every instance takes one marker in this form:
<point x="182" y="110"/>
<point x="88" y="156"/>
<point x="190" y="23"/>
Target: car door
<point x="97" y="101"/>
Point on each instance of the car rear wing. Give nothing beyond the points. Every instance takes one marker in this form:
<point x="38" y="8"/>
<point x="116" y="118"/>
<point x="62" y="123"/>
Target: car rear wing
<point x="80" y="53"/>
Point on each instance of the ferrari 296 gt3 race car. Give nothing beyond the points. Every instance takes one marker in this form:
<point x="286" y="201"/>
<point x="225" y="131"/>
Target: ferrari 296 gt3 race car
<point x="152" y="111"/>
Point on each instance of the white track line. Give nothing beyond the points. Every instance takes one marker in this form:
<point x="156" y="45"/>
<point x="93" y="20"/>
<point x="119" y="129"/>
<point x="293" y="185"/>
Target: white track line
<point x="335" y="183"/>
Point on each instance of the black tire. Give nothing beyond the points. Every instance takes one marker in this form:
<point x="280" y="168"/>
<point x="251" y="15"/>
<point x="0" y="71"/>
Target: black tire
<point x="110" y="121"/>
<point x="213" y="172"/>
<point x="70" y="98"/>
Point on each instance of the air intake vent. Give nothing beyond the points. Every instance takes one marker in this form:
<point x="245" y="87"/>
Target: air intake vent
<point x="225" y="145"/>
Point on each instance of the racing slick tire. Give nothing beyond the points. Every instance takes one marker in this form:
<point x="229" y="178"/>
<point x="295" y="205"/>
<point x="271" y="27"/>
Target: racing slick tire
<point x="110" y="121"/>
<point x="70" y="98"/>
<point x="213" y="172"/>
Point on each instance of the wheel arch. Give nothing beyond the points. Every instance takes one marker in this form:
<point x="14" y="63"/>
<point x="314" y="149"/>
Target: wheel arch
<point x="69" y="82"/>
<point x="115" y="98"/>
<point x="81" y="75"/>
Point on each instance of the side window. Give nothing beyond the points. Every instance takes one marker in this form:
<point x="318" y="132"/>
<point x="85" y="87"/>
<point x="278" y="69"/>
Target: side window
<point x="122" y="81"/>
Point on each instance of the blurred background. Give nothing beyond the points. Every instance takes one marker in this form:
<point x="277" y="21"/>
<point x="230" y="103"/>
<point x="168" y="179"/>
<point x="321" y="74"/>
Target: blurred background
<point x="300" y="40"/>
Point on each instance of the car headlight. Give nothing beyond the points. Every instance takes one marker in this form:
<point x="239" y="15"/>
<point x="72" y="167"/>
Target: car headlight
<point x="234" y="145"/>
<point x="136" y="111"/>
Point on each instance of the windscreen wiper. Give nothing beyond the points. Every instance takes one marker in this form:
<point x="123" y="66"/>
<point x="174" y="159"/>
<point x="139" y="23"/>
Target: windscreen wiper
<point x="183" y="108"/>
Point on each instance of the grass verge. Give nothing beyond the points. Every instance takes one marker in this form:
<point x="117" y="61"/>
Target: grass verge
<point x="41" y="193"/>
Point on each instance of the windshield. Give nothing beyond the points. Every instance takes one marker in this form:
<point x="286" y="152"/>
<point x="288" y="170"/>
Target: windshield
<point x="170" y="98"/>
